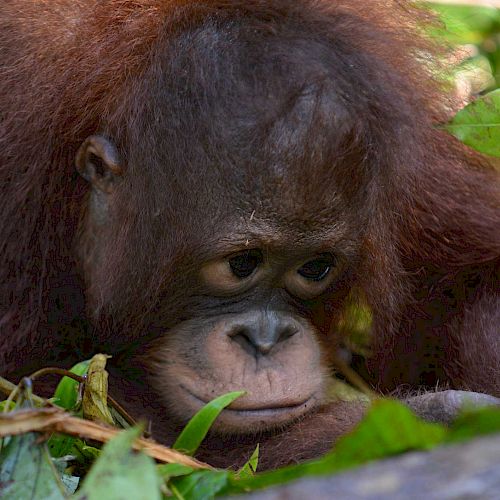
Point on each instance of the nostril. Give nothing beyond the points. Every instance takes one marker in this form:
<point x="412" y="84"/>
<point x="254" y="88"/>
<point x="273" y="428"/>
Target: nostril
<point x="243" y="338"/>
<point x="287" y="332"/>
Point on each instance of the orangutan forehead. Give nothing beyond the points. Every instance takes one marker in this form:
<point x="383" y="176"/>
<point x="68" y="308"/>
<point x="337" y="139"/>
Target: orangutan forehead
<point x="225" y="114"/>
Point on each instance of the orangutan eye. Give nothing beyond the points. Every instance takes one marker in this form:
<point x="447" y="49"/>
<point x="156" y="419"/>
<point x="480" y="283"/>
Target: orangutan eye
<point x="317" y="269"/>
<point x="244" y="264"/>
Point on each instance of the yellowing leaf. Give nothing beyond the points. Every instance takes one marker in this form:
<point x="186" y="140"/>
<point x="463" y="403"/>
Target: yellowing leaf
<point x="95" y="393"/>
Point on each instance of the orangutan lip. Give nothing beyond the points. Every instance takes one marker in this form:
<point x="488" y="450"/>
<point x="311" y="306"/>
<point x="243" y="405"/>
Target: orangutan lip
<point x="255" y="411"/>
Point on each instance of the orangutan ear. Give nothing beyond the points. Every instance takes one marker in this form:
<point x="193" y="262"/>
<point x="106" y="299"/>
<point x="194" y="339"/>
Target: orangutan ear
<point x="97" y="161"/>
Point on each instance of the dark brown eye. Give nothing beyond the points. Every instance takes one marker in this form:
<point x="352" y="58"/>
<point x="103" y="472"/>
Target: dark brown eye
<point x="244" y="264"/>
<point x="317" y="269"/>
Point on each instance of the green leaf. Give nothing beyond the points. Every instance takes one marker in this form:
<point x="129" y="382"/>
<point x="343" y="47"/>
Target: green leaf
<point x="200" y="485"/>
<point x="6" y="406"/>
<point x="478" y="124"/>
<point x="249" y="469"/>
<point x="168" y="471"/>
<point x="88" y="452"/>
<point x="464" y="24"/>
<point x="66" y="394"/>
<point x="196" y="429"/>
<point x="475" y="422"/>
<point x="60" y="445"/>
<point x="387" y="429"/>
<point x="27" y="472"/>
<point x="121" y="473"/>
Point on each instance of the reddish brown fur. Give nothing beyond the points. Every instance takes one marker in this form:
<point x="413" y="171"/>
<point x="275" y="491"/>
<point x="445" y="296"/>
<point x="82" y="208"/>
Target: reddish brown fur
<point x="429" y="268"/>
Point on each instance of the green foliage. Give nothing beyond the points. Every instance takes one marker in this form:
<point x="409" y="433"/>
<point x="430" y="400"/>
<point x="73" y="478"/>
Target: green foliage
<point x="121" y="473"/>
<point x="473" y="25"/>
<point x="7" y="406"/>
<point x="27" y="471"/>
<point x="169" y="471"/>
<point x="201" y="484"/>
<point x="478" y="30"/>
<point x="66" y="393"/>
<point x="372" y="439"/>
<point x="60" y="445"/>
<point x="66" y="396"/>
<point x="249" y="469"/>
<point x="389" y="428"/>
<point x="478" y="124"/>
<point x="472" y="423"/>
<point x="467" y="24"/>
<point x="197" y="428"/>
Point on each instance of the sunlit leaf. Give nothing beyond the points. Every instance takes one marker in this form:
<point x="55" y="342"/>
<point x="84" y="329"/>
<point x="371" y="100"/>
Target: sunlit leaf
<point x="463" y="24"/>
<point x="478" y="124"/>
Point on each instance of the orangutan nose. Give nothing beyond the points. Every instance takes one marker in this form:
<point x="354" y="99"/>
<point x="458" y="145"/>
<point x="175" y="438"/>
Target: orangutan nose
<point x="258" y="333"/>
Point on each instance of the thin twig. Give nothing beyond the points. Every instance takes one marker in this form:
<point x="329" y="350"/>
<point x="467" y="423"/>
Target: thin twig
<point x="355" y="379"/>
<point x="56" y="420"/>
<point x="11" y="390"/>
<point x="6" y="387"/>
<point x="52" y="370"/>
